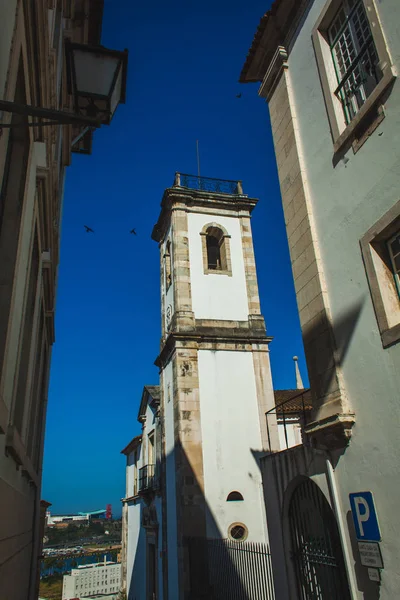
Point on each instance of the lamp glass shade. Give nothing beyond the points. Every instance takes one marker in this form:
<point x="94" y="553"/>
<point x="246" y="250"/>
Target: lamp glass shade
<point x="94" y="73"/>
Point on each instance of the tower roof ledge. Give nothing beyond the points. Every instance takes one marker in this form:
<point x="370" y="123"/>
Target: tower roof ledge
<point x="188" y="198"/>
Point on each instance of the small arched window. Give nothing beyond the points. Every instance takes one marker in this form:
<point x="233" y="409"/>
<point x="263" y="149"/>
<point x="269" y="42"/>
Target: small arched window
<point x="234" y="497"/>
<point x="168" y="272"/>
<point x="213" y="253"/>
<point x="216" y="249"/>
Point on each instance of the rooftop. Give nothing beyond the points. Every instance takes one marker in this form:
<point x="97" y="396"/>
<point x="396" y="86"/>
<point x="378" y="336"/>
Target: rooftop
<point x="96" y="565"/>
<point x="292" y="401"/>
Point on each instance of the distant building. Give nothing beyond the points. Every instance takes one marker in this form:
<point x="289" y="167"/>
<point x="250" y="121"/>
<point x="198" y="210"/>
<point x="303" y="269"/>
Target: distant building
<point x="141" y="521"/>
<point x="328" y="70"/>
<point x="89" y="581"/>
<point x="75" y="518"/>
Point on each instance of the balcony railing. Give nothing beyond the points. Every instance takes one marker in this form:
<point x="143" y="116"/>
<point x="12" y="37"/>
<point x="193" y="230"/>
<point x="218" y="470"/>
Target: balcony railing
<point x="147" y="478"/>
<point x="209" y="184"/>
<point x="291" y="417"/>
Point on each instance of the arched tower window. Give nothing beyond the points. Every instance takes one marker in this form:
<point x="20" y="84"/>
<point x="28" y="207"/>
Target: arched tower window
<point x="213" y="252"/>
<point x="216" y="249"/>
<point x="234" y="497"/>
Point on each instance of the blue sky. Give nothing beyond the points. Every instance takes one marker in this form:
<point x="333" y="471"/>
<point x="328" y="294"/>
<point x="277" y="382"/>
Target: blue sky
<point x="184" y="64"/>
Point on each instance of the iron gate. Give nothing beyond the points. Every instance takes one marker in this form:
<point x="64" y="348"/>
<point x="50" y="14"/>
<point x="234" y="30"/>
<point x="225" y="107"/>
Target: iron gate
<point x="316" y="547"/>
<point x="230" y="570"/>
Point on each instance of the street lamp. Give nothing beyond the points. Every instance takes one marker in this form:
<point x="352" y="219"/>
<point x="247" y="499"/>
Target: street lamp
<point x="96" y="78"/>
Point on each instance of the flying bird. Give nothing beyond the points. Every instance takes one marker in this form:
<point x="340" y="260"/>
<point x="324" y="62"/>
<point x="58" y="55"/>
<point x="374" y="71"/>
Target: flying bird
<point x="238" y="95"/>
<point x="88" y="229"/>
<point x="133" y="231"/>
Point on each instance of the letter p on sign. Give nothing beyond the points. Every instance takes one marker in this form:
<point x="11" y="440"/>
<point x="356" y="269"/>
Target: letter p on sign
<point x="362" y="512"/>
<point x="364" y="516"/>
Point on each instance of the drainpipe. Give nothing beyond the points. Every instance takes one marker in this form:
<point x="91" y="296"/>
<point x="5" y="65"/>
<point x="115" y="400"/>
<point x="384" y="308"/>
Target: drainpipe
<point x="342" y="532"/>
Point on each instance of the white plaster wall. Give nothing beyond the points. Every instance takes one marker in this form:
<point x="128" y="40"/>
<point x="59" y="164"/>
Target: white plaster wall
<point x="230" y="431"/>
<point x="172" y="538"/>
<point x="293" y="435"/>
<point x="346" y="201"/>
<point x="158" y="505"/>
<point x="136" y="554"/>
<point x="217" y="296"/>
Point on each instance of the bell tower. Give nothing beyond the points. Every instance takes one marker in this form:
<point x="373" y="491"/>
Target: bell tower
<point x="215" y="374"/>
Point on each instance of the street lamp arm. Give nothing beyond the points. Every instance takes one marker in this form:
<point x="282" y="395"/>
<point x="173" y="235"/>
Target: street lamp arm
<point x="58" y="116"/>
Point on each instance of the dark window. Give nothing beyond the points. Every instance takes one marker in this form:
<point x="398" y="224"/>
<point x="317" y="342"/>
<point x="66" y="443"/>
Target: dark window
<point x="11" y="205"/>
<point x="394" y="252"/>
<point x="42" y="391"/>
<point x="238" y="532"/>
<point x="168" y="270"/>
<point x="24" y="361"/>
<point x="213" y="252"/>
<point x="34" y="409"/>
<point x="234" y="497"/>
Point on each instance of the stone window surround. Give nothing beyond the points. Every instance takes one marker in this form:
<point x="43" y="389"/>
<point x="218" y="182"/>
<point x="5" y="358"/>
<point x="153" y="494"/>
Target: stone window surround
<point x="382" y="285"/>
<point x="342" y="133"/>
<point x="225" y="241"/>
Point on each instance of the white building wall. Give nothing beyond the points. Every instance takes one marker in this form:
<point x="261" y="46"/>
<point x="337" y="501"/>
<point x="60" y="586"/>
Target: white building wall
<point x="217" y="296"/>
<point x="170" y="483"/>
<point x="136" y="553"/>
<point x="158" y="505"/>
<point x="230" y="431"/>
<point x="89" y="581"/>
<point x="346" y="201"/>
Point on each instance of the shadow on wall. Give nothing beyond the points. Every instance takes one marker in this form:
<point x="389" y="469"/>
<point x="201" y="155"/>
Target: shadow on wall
<point x="326" y="344"/>
<point x="282" y="469"/>
<point x="209" y="568"/>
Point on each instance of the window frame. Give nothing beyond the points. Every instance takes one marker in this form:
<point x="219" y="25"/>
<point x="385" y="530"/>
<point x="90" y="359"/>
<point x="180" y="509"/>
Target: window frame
<point x="342" y="132"/>
<point x="381" y="278"/>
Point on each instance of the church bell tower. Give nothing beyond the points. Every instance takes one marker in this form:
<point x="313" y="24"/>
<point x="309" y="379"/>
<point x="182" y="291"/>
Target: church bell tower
<point x="215" y="374"/>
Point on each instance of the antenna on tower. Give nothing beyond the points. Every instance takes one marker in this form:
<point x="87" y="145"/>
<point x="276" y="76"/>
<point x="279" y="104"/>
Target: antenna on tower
<point x="198" y="158"/>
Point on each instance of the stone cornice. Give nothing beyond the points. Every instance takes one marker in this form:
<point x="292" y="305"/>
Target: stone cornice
<point x="216" y="338"/>
<point x="188" y="199"/>
<point x="276" y="67"/>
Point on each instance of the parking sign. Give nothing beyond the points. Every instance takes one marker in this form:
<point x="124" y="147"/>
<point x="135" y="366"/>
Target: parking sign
<point x="364" y="516"/>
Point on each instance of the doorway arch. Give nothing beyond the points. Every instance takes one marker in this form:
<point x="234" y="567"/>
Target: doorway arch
<point x="316" y="549"/>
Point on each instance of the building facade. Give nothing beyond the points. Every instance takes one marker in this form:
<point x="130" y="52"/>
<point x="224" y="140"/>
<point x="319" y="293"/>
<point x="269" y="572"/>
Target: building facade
<point x="33" y="160"/>
<point x="93" y="580"/>
<point x="142" y="569"/>
<point x="328" y="71"/>
<point x="214" y="374"/>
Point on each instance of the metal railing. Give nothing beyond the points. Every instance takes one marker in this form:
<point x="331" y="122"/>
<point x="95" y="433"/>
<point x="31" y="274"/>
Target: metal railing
<point x="147" y="478"/>
<point x="209" y="184"/>
<point x="222" y="569"/>
<point x="286" y="416"/>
